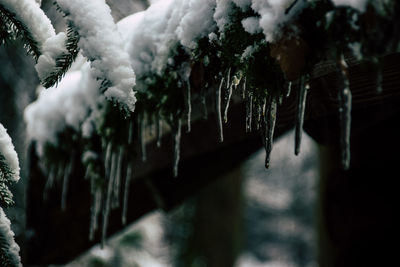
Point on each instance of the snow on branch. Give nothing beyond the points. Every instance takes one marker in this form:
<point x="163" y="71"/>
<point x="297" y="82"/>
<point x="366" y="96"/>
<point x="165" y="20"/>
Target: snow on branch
<point x="9" y="250"/>
<point x="102" y="44"/>
<point x="27" y="19"/>
<point x="7" y="152"/>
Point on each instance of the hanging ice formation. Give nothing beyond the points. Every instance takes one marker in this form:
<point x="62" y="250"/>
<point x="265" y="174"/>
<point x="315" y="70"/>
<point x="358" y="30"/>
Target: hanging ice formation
<point x="177" y="145"/>
<point x="117" y="179"/>
<point x="67" y="173"/>
<point x="269" y="122"/>
<point x="142" y="136"/>
<point x="228" y="94"/>
<point x="126" y="192"/>
<point x="288" y="89"/>
<point x="345" y="99"/>
<point x="249" y="112"/>
<point x="159" y="133"/>
<point x="188" y="103"/>
<point x="301" y="105"/>
<point x="218" y="111"/>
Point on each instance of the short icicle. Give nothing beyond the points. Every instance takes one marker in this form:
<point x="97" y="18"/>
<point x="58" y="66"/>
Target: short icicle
<point x="117" y="179"/>
<point x="203" y="100"/>
<point x="288" y="89"/>
<point x="218" y="111"/>
<point x="126" y="192"/>
<point x="95" y="210"/>
<point x="345" y="99"/>
<point x="177" y="146"/>
<point x="107" y="206"/>
<point x="249" y="113"/>
<point x="158" y="123"/>
<point x="228" y="95"/>
<point x="269" y="120"/>
<point x="301" y="106"/>
<point x="67" y="174"/>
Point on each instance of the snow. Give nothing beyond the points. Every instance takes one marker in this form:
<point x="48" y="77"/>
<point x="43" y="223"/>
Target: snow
<point x="33" y="18"/>
<point x="66" y="105"/>
<point x="8" y="152"/>
<point x="251" y="25"/>
<point x="103" y="45"/>
<point x="52" y="48"/>
<point x="10" y="248"/>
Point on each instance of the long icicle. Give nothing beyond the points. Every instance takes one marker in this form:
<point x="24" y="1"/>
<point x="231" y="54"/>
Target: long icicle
<point x="177" y="146"/>
<point x="345" y="99"/>
<point x="301" y="106"/>
<point x="130" y="132"/>
<point x="244" y="88"/>
<point x="126" y="192"/>
<point x="117" y="179"/>
<point x="269" y="120"/>
<point x="67" y="174"/>
<point x="107" y="206"/>
<point x="218" y="111"/>
<point x="188" y="106"/>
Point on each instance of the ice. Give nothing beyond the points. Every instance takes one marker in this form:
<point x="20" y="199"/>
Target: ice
<point x="249" y="112"/>
<point x="67" y="174"/>
<point x="126" y="192"/>
<point x="117" y="179"/>
<point x="270" y="119"/>
<point x="301" y="106"/>
<point x="142" y="136"/>
<point x="177" y="145"/>
<point x="345" y="99"/>
<point x="218" y="111"/>
<point x="229" y="87"/>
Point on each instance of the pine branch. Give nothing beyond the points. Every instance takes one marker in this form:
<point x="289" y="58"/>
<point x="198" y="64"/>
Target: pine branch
<point x="65" y="60"/>
<point x="12" y="29"/>
<point x="5" y="179"/>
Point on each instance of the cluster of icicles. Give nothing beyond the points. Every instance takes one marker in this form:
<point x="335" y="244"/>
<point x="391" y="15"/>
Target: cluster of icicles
<point x="261" y="117"/>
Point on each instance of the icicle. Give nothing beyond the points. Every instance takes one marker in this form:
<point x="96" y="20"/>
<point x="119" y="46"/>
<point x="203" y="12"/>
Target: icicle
<point x="345" y="113"/>
<point x="288" y="89"/>
<point x="228" y="97"/>
<point x="117" y="179"/>
<point x="269" y="119"/>
<point x="189" y="106"/>
<point x="142" y="141"/>
<point x="126" y="192"/>
<point x="177" y="146"/>
<point x="50" y="181"/>
<point x="67" y="172"/>
<point x="244" y="88"/>
<point x="106" y="209"/>
<point x="378" y="68"/>
<point x="107" y="159"/>
<point x="203" y="100"/>
<point x="95" y="210"/>
<point x="158" y="123"/>
<point x="218" y="111"/>
<point x="301" y="105"/>
<point x="130" y="132"/>
<point x="249" y="112"/>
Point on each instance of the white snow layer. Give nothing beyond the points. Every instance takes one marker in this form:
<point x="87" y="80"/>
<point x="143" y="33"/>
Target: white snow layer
<point x="51" y="49"/>
<point x="8" y="152"/>
<point x="102" y="43"/>
<point x="8" y="236"/>
<point x="33" y="17"/>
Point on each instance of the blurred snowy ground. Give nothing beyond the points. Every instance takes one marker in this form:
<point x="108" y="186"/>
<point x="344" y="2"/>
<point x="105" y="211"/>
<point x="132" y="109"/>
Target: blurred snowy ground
<point x="279" y="217"/>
